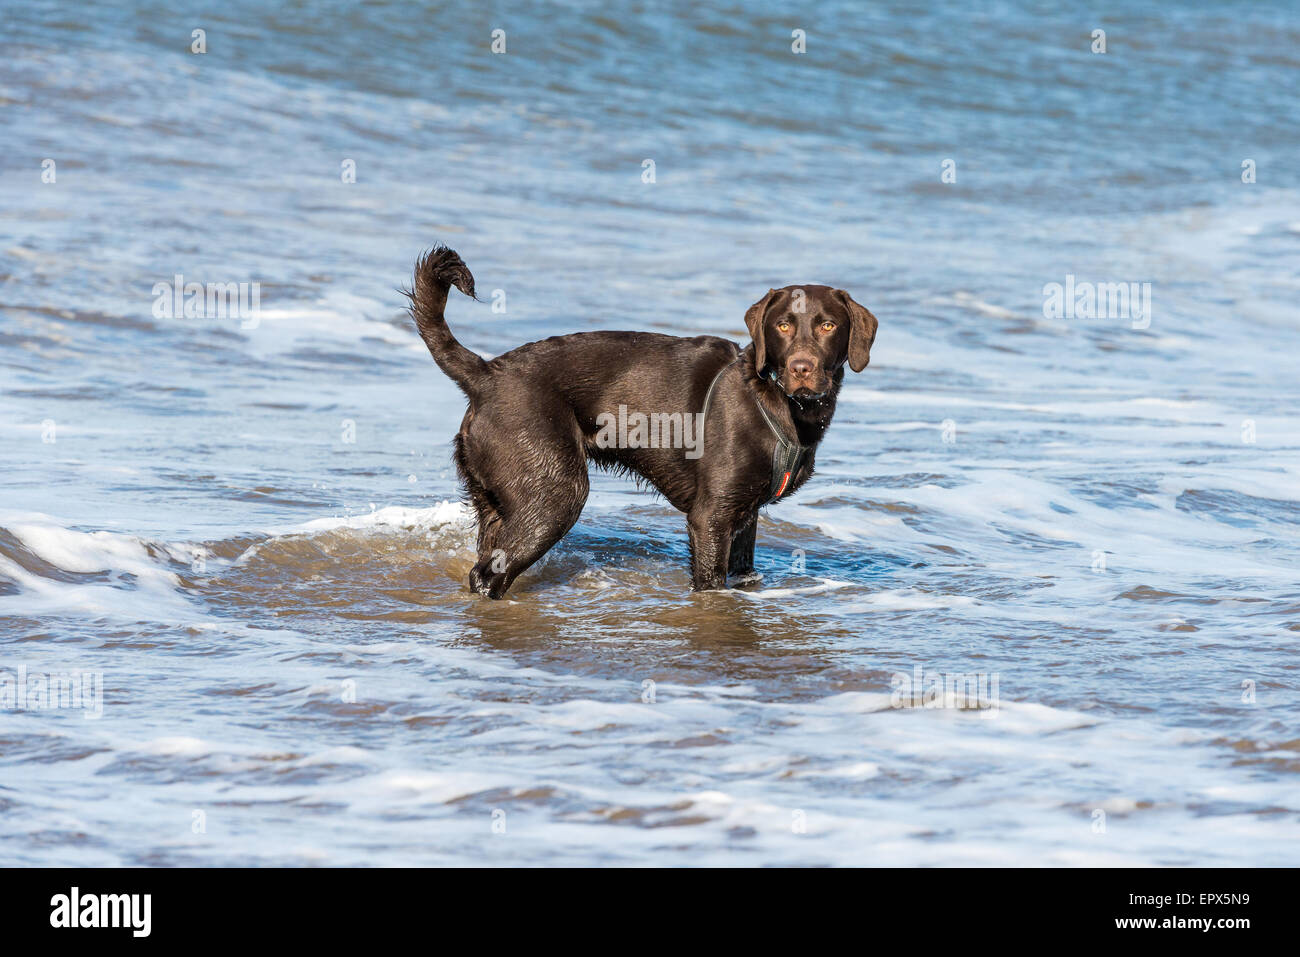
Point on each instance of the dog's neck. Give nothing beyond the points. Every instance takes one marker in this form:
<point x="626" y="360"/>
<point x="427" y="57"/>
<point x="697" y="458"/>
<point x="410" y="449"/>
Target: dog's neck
<point x="809" y="417"/>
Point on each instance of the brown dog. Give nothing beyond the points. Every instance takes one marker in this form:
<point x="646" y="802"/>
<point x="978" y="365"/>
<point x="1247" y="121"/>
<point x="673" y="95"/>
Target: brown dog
<point x="718" y="430"/>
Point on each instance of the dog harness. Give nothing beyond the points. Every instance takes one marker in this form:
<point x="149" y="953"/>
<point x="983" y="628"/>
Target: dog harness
<point x="786" y="457"/>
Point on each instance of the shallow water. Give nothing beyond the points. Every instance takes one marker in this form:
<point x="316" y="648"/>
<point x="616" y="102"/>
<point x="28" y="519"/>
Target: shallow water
<point x="254" y="534"/>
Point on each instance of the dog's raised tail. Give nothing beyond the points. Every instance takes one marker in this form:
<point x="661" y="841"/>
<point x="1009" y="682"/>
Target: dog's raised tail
<point x="435" y="273"/>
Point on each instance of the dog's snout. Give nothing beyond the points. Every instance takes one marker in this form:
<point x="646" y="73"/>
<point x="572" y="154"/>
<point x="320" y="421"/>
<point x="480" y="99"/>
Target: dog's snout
<point x="802" y="368"/>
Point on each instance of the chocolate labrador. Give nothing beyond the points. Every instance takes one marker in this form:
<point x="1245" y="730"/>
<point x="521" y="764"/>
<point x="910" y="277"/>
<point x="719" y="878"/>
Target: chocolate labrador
<point x="719" y="430"/>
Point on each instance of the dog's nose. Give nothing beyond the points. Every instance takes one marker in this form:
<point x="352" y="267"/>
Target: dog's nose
<point x="802" y="368"/>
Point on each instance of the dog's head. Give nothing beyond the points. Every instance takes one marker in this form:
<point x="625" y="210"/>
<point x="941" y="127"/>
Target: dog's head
<point x="803" y="334"/>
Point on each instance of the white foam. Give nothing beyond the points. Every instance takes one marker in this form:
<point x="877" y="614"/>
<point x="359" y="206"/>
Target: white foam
<point x="343" y="754"/>
<point x="176" y="746"/>
<point x="908" y="599"/>
<point x="768" y="594"/>
<point x="397" y="517"/>
<point x="86" y="552"/>
<point x="123" y="558"/>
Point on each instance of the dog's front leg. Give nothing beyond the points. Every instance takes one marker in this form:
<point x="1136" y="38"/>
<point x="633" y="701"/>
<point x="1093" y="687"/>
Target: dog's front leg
<point x="742" y="549"/>
<point x="710" y="549"/>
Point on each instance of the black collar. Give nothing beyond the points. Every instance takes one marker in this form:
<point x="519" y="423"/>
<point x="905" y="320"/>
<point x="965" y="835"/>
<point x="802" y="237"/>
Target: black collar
<point x="786" y="457"/>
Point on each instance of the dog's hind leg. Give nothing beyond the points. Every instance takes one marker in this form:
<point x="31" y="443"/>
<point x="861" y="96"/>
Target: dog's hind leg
<point x="486" y="508"/>
<point x="531" y="511"/>
<point x="525" y="536"/>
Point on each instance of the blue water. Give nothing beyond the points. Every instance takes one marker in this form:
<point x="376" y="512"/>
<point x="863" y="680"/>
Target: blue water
<point x="252" y="531"/>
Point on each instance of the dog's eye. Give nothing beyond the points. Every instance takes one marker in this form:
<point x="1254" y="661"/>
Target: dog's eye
<point x="783" y="326"/>
<point x="828" y="327"/>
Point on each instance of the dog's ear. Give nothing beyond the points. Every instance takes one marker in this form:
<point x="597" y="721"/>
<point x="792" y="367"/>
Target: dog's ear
<point x="862" y="331"/>
<point x="754" y="316"/>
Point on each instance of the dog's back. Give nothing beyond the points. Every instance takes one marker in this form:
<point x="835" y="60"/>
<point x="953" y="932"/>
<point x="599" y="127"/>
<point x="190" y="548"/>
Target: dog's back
<point x="595" y="372"/>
